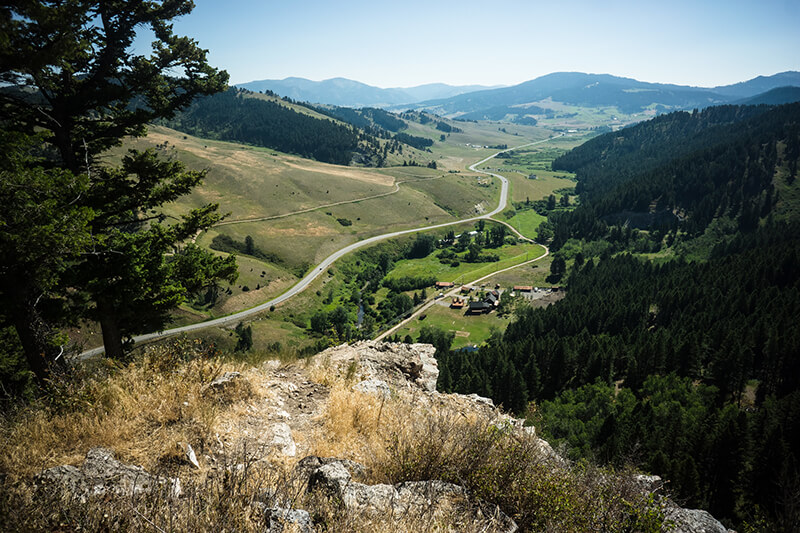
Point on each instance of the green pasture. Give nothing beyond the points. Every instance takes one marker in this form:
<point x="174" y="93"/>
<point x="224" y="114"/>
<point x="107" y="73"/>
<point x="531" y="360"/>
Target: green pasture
<point x="546" y="183"/>
<point x="534" y="274"/>
<point x="526" y="222"/>
<point x="469" y="329"/>
<point x="466" y="272"/>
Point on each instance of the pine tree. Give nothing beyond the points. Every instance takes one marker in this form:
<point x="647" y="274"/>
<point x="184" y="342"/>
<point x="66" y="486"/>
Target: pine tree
<point x="70" y="75"/>
<point x="42" y="230"/>
<point x="244" y="336"/>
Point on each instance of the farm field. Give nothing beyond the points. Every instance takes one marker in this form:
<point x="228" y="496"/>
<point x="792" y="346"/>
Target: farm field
<point x="469" y="330"/>
<point x="466" y="272"/>
<point x="526" y="222"/>
<point x="534" y="275"/>
<point x="254" y="183"/>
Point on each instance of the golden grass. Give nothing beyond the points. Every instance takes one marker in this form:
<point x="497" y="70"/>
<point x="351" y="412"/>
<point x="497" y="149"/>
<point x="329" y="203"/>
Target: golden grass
<point x="141" y="411"/>
<point x="145" y="409"/>
<point x="411" y="437"/>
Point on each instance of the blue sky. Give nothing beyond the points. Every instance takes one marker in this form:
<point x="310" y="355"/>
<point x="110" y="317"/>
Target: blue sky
<point x="500" y="42"/>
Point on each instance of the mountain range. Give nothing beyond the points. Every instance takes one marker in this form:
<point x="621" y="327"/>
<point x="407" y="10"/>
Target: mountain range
<point x="599" y="90"/>
<point x="492" y="103"/>
<point x="350" y="93"/>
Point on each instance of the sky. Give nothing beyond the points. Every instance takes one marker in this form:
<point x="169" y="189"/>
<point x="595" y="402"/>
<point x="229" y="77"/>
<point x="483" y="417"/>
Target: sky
<point x="501" y="42"/>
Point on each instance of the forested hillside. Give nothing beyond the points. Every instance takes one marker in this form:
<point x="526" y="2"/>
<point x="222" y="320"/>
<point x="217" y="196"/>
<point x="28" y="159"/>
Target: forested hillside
<point x="688" y="369"/>
<point x="232" y="116"/>
<point x="680" y="171"/>
<point x="370" y="119"/>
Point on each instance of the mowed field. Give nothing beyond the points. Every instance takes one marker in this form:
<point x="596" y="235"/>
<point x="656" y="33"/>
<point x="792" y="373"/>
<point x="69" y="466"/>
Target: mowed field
<point x="468" y="329"/>
<point x="526" y="222"/>
<point x="466" y="272"/>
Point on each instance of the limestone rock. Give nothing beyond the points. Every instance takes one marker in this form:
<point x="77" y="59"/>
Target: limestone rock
<point x="649" y="483"/>
<point x="373" y="386"/>
<point x="307" y="465"/>
<point x="224" y="380"/>
<point x="282" y="439"/>
<point x="694" y="521"/>
<point x="409" y="499"/>
<point x="481" y="399"/>
<point x="228" y="388"/>
<point x="102" y="474"/>
<point x="395" y="363"/>
<point x="280" y="519"/>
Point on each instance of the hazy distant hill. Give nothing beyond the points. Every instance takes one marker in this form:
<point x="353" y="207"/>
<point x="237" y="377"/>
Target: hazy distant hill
<point x="593" y="90"/>
<point x="349" y="93"/>
<point x="760" y="85"/>
<point x="779" y="96"/>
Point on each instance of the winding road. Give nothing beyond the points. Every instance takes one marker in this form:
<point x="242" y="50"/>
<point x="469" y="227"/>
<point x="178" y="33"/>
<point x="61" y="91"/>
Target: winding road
<point x="328" y="261"/>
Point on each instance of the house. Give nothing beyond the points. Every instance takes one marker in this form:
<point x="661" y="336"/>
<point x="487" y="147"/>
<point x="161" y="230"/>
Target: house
<point x="466" y="289"/>
<point x="457" y="303"/>
<point x="444" y="284"/>
<point x="492" y="300"/>
<point x="479" y="307"/>
<point x="523" y="288"/>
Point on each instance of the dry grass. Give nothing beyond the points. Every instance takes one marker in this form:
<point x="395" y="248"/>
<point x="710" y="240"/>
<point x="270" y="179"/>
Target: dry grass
<point x="410" y="439"/>
<point x="142" y="411"/>
<point x="230" y="498"/>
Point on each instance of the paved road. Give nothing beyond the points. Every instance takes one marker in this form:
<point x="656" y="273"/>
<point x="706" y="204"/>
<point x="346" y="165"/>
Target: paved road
<point x="328" y="261"/>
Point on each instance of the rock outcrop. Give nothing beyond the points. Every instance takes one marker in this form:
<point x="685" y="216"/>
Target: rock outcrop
<point x="102" y="474"/>
<point x="694" y="521"/>
<point x="280" y="410"/>
<point x="280" y="519"/>
<point x="401" y="364"/>
<point x="433" y="500"/>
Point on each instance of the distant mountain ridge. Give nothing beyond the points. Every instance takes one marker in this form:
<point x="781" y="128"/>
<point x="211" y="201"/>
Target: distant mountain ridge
<point x="593" y="90"/>
<point x="475" y="102"/>
<point x="778" y="96"/>
<point x="350" y="93"/>
<point x="760" y="84"/>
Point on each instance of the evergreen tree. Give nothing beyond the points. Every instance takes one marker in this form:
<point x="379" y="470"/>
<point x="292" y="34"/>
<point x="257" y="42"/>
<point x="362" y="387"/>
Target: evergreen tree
<point x="70" y="75"/>
<point x="244" y="336"/>
<point x="42" y="230"/>
<point x="557" y="267"/>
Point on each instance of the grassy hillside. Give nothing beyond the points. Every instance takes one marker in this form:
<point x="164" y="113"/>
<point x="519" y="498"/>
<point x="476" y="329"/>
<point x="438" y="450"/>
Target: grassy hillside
<point x="298" y="211"/>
